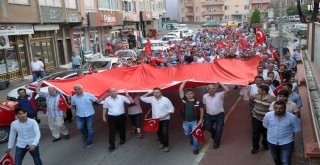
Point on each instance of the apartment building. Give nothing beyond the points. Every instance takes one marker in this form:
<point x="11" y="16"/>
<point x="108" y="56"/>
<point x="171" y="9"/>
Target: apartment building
<point x="219" y="10"/>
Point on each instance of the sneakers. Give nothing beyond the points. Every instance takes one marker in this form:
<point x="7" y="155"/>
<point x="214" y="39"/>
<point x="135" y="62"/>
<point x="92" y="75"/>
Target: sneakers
<point x="122" y="142"/>
<point x="88" y="144"/>
<point x="57" y="139"/>
<point x="266" y="147"/>
<point x="66" y="137"/>
<point x="166" y="149"/>
<point x="111" y="148"/>
<point x="254" y="150"/>
<point x="196" y="152"/>
<point x="216" y="146"/>
<point x="160" y="146"/>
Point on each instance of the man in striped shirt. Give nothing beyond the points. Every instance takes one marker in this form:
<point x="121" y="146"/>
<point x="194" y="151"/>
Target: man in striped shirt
<point x="262" y="102"/>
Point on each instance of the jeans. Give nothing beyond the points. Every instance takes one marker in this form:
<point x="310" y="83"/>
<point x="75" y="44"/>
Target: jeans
<point x="88" y="135"/>
<point x="116" y="122"/>
<point x="37" y="74"/>
<point x="216" y="132"/>
<point x="281" y="154"/>
<point x="257" y="130"/>
<point x="21" y="152"/>
<point x="135" y="120"/>
<point x="188" y="126"/>
<point x="75" y="67"/>
<point x="163" y="132"/>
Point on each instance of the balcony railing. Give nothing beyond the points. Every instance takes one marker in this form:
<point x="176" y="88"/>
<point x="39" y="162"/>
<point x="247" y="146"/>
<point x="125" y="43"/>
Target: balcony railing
<point x="259" y="1"/>
<point x="212" y="3"/>
<point x="219" y="12"/>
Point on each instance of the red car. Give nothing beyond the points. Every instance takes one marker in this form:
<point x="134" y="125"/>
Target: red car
<point x="6" y="117"/>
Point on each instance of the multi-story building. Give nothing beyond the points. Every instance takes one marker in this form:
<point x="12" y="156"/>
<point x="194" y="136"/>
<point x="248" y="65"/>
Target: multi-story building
<point x="218" y="10"/>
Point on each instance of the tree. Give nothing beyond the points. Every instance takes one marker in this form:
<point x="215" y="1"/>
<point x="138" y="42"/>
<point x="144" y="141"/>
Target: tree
<point x="255" y="17"/>
<point x="293" y="10"/>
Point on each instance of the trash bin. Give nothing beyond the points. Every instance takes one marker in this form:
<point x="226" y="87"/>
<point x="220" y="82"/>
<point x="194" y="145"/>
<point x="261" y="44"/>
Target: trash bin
<point x="4" y="84"/>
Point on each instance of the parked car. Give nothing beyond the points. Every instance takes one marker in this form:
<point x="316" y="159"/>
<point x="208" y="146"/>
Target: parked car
<point x="172" y="33"/>
<point x="126" y="53"/>
<point x="13" y="94"/>
<point x="166" y="39"/>
<point x="6" y="117"/>
<point x="211" y="24"/>
<point x="101" y="64"/>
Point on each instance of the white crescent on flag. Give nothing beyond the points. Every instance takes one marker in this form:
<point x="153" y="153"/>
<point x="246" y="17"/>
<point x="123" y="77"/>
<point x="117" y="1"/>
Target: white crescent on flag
<point x="6" y="161"/>
<point x="151" y="122"/>
<point x="199" y="132"/>
<point x="259" y="34"/>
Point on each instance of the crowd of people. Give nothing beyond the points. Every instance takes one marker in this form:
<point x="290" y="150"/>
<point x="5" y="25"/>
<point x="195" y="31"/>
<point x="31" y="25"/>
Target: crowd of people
<point x="274" y="102"/>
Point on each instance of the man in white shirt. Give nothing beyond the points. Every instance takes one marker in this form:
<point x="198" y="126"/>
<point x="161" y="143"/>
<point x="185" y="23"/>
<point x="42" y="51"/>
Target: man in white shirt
<point x="114" y="104"/>
<point x="27" y="133"/>
<point x="214" y="111"/>
<point x="161" y="108"/>
<point x="37" y="68"/>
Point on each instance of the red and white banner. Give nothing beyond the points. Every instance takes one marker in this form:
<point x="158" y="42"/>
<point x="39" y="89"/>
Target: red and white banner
<point x="151" y="125"/>
<point x="141" y="78"/>
<point x="7" y="160"/>
<point x="197" y="133"/>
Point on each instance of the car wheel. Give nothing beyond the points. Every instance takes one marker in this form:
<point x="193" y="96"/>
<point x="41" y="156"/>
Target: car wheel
<point x="4" y="134"/>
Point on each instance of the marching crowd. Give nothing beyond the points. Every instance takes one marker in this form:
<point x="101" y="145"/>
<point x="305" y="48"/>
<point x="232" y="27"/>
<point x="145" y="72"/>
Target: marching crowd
<point x="274" y="102"/>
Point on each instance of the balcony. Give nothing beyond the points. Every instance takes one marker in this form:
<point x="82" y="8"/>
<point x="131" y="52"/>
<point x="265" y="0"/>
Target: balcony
<point x="189" y="4"/>
<point x="219" y="12"/>
<point x="189" y="14"/>
<point x="213" y="3"/>
<point x="259" y="1"/>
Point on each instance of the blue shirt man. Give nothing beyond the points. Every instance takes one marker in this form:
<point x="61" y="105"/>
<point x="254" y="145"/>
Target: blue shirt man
<point x="23" y="101"/>
<point x="281" y="126"/>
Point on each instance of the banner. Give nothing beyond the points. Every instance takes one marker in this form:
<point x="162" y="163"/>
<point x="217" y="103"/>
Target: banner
<point x="141" y="78"/>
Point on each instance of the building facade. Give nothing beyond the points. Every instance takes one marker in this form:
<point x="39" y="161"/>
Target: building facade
<point x="219" y="10"/>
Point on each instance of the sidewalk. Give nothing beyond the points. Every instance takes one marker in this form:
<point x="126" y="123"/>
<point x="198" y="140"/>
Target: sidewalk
<point x="27" y="79"/>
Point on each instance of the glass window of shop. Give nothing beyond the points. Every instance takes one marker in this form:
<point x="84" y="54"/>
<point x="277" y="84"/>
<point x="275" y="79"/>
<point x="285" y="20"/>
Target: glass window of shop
<point x="94" y="41"/>
<point x="3" y="62"/>
<point x="44" y="49"/>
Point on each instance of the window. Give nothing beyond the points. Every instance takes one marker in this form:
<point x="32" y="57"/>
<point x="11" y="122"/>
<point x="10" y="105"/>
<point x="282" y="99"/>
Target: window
<point x="197" y="9"/>
<point x="226" y="7"/>
<point x="210" y="8"/>
<point x="127" y="6"/>
<point x="20" y="2"/>
<point x="258" y="6"/>
<point x="71" y="4"/>
<point x="108" y="4"/>
<point x="51" y="3"/>
<point x="226" y="17"/>
<point x="246" y="7"/>
<point x="141" y="6"/>
<point x="88" y="4"/>
<point x="197" y="19"/>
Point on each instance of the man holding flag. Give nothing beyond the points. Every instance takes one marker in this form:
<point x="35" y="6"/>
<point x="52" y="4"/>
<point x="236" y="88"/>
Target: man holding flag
<point x="56" y="107"/>
<point x="161" y="108"/>
<point x="192" y="113"/>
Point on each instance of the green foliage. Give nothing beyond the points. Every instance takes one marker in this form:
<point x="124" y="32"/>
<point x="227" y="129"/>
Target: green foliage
<point x="256" y="16"/>
<point x="293" y="10"/>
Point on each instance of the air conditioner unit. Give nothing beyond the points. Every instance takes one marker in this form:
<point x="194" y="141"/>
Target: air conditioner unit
<point x="4" y="42"/>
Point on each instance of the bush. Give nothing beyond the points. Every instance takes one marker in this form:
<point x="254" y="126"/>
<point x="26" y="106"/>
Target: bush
<point x="256" y="16"/>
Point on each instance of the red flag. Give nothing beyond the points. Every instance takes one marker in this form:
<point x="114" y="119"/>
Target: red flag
<point x="222" y="45"/>
<point x="148" y="49"/>
<point x="256" y="44"/>
<point x="197" y="133"/>
<point x="7" y="160"/>
<point x="151" y="125"/>
<point x="62" y="105"/>
<point x="260" y="36"/>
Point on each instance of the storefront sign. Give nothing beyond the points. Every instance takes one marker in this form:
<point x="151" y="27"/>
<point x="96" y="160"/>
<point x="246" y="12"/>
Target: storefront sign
<point x="147" y="16"/>
<point x="105" y="19"/>
<point x="46" y="27"/>
<point x="73" y="18"/>
<point x="16" y="29"/>
<point x="52" y="14"/>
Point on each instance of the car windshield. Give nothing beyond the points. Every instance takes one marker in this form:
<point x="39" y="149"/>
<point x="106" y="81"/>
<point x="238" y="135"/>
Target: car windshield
<point x="58" y="75"/>
<point x="124" y="53"/>
<point x="152" y="44"/>
<point x="97" y="64"/>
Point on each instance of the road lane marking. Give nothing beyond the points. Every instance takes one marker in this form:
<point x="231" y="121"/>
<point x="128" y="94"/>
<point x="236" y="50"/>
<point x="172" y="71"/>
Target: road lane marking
<point x="206" y="147"/>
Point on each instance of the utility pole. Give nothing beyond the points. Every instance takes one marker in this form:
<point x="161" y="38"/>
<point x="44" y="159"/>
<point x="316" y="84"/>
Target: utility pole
<point x="280" y="31"/>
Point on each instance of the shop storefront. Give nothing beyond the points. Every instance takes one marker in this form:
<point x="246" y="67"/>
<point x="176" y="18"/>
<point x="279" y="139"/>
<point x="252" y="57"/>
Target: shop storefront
<point x="102" y="30"/>
<point x="43" y="44"/>
<point x="14" y="50"/>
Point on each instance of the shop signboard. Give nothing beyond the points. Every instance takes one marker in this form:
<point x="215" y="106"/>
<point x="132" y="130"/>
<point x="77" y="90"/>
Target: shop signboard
<point x="16" y="29"/>
<point x="105" y="19"/>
